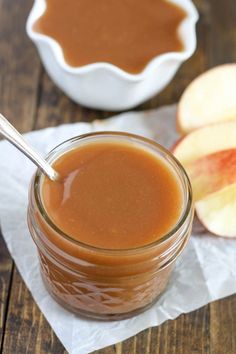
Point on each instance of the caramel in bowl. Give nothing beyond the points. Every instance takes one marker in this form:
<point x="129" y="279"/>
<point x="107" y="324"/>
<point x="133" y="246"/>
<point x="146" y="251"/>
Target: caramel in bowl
<point x="113" y="71"/>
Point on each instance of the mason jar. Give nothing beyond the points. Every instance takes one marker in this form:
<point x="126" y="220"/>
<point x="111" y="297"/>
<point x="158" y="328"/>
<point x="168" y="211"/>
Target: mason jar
<point x="103" y="283"/>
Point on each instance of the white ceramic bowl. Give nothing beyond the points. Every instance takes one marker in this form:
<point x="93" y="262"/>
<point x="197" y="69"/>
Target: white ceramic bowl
<point x="103" y="85"/>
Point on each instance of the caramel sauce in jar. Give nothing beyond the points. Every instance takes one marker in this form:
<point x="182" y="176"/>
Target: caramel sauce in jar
<point x="109" y="232"/>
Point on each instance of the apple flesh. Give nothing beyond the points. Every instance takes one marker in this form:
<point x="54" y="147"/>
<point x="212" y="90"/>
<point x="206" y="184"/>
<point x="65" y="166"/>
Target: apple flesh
<point x="210" y="98"/>
<point x="208" y="155"/>
<point x="217" y="212"/>
<point x="212" y="173"/>
<point x="204" y="141"/>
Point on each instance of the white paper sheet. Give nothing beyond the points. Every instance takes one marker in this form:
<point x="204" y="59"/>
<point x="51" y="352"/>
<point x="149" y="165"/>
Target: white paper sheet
<point x="205" y="272"/>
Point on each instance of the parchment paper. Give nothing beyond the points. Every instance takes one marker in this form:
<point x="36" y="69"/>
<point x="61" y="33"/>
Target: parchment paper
<point x="205" y="272"/>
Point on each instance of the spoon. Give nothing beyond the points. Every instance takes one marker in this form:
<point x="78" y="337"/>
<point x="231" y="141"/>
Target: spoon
<point x="15" y="138"/>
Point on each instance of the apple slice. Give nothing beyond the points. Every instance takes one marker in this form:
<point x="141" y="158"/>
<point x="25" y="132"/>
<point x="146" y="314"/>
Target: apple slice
<point x="210" y="98"/>
<point x="212" y="173"/>
<point x="205" y="141"/>
<point x="217" y="212"/>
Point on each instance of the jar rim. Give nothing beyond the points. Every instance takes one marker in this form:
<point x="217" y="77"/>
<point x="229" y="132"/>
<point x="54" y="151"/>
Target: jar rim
<point x="186" y="212"/>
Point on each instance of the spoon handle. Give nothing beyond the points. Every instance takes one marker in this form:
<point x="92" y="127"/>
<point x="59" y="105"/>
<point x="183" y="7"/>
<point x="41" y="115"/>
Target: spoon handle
<point x="15" y="138"/>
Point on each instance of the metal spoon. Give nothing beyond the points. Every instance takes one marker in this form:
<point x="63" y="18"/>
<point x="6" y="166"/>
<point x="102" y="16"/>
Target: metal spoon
<point x="15" y="138"/>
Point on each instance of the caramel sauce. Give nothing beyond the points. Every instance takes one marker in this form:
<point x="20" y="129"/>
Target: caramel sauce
<point x="113" y="195"/>
<point x="126" y="33"/>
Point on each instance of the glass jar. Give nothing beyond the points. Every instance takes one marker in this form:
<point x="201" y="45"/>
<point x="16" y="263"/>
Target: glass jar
<point x="102" y="283"/>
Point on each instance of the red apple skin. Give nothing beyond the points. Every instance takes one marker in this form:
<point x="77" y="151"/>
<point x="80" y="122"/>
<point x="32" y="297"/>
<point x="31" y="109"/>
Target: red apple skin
<point x="212" y="173"/>
<point x="204" y="141"/>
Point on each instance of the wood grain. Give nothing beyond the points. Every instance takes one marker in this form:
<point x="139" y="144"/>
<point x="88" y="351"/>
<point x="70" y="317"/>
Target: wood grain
<point x="26" y="330"/>
<point x="19" y="68"/>
<point x="223" y="326"/>
<point x="6" y="269"/>
<point x="31" y="101"/>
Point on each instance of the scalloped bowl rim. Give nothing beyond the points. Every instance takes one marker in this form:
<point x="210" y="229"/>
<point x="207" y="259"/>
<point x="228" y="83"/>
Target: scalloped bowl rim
<point x="190" y="21"/>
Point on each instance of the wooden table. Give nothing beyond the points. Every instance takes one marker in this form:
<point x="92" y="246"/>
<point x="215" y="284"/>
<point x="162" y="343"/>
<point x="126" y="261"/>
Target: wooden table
<point x="31" y="101"/>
